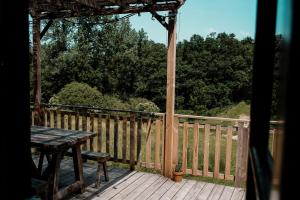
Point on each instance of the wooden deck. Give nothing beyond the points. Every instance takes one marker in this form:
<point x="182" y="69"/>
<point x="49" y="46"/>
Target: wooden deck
<point x="127" y="185"/>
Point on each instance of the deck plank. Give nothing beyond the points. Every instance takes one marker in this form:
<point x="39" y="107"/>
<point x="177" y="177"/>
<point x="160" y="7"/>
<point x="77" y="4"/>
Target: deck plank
<point x="152" y="188"/>
<point x="138" y="187"/>
<point x="135" y="185"/>
<point x="237" y="194"/>
<point x="216" y="192"/>
<point x="205" y="192"/>
<point x="194" y="191"/>
<point x="116" y="188"/>
<point x="163" y="189"/>
<point x="227" y="193"/>
<point x="184" y="190"/>
<point x="173" y="190"/>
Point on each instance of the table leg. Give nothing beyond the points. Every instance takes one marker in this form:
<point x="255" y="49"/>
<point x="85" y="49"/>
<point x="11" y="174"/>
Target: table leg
<point x="41" y="160"/>
<point x="53" y="178"/>
<point x="78" y="168"/>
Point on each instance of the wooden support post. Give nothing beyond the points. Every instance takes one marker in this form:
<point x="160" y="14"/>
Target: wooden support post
<point x="37" y="67"/>
<point x="241" y="155"/>
<point x="168" y="169"/>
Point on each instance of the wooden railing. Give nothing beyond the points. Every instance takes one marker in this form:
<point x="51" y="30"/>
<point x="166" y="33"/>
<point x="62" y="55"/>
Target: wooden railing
<point x="216" y="147"/>
<point x="213" y="147"/>
<point x="125" y="135"/>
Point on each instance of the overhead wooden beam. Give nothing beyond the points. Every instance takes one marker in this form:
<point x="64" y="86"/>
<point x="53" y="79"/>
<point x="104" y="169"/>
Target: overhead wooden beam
<point x="49" y="23"/>
<point x="37" y="63"/>
<point x="171" y="65"/>
<point x="76" y="12"/>
<point x="160" y="19"/>
<point x="89" y="3"/>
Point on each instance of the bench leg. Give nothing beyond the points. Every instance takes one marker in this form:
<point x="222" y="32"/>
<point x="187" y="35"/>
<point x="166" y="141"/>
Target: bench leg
<point x="41" y="160"/>
<point x="98" y="179"/>
<point x="105" y="171"/>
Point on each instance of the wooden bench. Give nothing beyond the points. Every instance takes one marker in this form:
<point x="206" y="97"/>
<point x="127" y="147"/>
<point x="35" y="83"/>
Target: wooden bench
<point x="100" y="158"/>
<point x="39" y="188"/>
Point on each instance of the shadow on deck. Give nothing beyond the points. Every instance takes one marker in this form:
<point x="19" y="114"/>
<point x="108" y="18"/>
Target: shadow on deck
<point x="125" y="184"/>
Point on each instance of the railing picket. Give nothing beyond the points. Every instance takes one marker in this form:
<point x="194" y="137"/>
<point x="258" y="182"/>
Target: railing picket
<point x="107" y="133"/>
<point x="51" y="118"/>
<point x="206" y="150"/>
<point x="84" y="128"/>
<point x="116" y="137"/>
<point x="73" y="122"/>
<point x="124" y="140"/>
<point x="46" y="118"/>
<point x="185" y="146"/>
<point x="58" y="119"/>
<point x="157" y="163"/>
<point x="148" y="143"/>
<point x="277" y="157"/>
<point x="217" y="152"/>
<point x="175" y="141"/>
<point x="99" y="135"/>
<point x="195" y="149"/>
<point x="132" y="141"/>
<point x="66" y="121"/>
<point x="139" y="139"/>
<point x="228" y="153"/>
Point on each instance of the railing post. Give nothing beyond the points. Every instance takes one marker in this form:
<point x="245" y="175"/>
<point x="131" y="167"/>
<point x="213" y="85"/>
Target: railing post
<point x="168" y="151"/>
<point x="241" y="155"/>
<point x="277" y="154"/>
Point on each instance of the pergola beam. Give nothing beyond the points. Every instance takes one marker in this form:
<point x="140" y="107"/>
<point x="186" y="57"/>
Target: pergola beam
<point x="51" y="9"/>
<point x="160" y="19"/>
<point x="49" y="23"/>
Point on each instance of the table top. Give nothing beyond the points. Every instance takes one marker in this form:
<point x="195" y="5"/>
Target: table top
<point x="55" y="138"/>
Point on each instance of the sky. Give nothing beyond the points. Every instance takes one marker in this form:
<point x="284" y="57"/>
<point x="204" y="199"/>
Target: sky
<point x="203" y="17"/>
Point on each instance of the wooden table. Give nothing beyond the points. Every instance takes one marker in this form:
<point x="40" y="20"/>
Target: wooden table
<point x="55" y="142"/>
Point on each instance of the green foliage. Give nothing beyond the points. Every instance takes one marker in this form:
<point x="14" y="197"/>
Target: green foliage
<point x="142" y="104"/>
<point x="178" y="167"/>
<point x="211" y="73"/>
<point x="235" y="111"/>
<point x="78" y="94"/>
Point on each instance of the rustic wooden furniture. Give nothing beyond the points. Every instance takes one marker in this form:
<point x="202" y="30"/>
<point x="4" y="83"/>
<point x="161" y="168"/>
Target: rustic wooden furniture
<point x="56" y="142"/>
<point x="100" y="158"/>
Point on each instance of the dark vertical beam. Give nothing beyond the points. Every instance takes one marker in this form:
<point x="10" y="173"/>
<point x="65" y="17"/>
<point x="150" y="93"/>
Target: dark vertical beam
<point x="259" y="177"/>
<point x="37" y="66"/>
<point x="171" y="65"/>
<point x="291" y="63"/>
<point x="15" y="116"/>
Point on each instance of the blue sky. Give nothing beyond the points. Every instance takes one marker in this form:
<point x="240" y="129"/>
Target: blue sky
<point x="202" y="17"/>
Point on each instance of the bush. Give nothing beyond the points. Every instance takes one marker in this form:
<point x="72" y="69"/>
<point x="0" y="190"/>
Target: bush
<point x="76" y="93"/>
<point x="141" y="104"/>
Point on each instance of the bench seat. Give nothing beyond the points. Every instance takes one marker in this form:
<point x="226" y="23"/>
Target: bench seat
<point x="100" y="158"/>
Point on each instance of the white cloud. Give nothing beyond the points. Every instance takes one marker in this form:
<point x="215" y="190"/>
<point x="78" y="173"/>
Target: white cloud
<point x="244" y="34"/>
<point x="211" y="30"/>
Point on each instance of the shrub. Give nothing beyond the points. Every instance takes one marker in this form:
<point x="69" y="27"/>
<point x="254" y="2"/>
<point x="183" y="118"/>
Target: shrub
<point x="142" y="104"/>
<point x="76" y="93"/>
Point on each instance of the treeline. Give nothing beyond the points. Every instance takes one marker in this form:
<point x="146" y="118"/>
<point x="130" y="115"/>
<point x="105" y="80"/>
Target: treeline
<point x="119" y="61"/>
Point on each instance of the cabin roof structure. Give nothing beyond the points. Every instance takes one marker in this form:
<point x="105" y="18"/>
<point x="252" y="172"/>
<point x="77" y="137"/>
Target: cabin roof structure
<point x="53" y="9"/>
